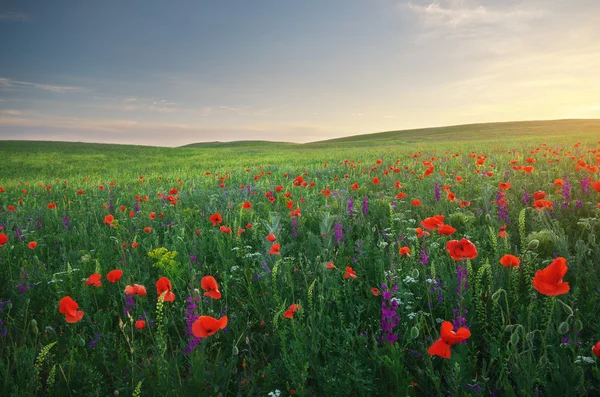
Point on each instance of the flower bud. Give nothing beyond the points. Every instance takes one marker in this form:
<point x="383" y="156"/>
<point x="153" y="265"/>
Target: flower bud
<point x="414" y="332"/>
<point x="533" y="244"/>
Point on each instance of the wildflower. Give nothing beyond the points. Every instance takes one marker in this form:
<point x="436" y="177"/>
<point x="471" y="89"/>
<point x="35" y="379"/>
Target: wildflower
<point x="216" y="218"/>
<point x="68" y="307"/>
<point x="225" y="229"/>
<point x="164" y="284"/>
<point x="404" y="251"/>
<point x="433" y="222"/>
<point x="209" y="284"/>
<point x="247" y="205"/>
<point x="510" y="261"/>
<point x="330" y="265"/>
<point x="349" y="272"/>
<point x="416" y="203"/>
<point x="448" y="338"/>
<point x="94" y="280"/>
<point x="140" y="324"/>
<point x="51" y="205"/>
<point x="375" y="291"/>
<point x="32" y="245"/>
<point x="289" y="313"/>
<point x="275" y="249"/>
<point x="114" y="275"/>
<point x="205" y="326"/>
<point x="271" y="237"/>
<point x="446" y="230"/>
<point x="549" y="282"/>
<point x="135" y="290"/>
<point x="502" y="233"/>
<point x="462" y="249"/>
<point x="596" y="349"/>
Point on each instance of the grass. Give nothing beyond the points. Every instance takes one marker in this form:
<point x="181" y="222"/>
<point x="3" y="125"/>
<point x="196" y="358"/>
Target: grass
<point x="344" y="338"/>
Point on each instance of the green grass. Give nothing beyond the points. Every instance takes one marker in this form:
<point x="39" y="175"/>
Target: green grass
<point x="522" y="342"/>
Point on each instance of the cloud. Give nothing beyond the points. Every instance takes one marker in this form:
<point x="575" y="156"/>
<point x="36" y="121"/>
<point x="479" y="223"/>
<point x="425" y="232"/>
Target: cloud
<point x="229" y="108"/>
<point x="14" y="16"/>
<point x="9" y="84"/>
<point x="10" y="112"/>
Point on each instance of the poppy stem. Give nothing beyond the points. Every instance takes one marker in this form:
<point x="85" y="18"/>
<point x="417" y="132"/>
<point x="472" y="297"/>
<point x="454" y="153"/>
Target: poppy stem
<point x="550" y="315"/>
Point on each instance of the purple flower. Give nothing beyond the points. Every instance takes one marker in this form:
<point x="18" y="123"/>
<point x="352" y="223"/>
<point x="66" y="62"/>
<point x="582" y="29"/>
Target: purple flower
<point x="365" y="206"/>
<point x="436" y="192"/>
<point x="338" y="233"/>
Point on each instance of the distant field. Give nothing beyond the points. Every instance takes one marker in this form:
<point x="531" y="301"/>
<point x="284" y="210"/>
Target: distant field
<point x="445" y="261"/>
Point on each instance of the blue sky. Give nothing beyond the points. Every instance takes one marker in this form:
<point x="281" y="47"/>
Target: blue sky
<point x="172" y="73"/>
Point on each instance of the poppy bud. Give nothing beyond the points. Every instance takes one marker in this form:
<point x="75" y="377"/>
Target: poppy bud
<point x="533" y="244"/>
<point x="578" y="326"/>
<point x="496" y="295"/>
<point x="81" y="342"/>
<point x="235" y="350"/>
<point x="488" y="217"/>
<point x="415" y="273"/>
<point x="116" y="393"/>
<point x="414" y="332"/>
<point x="563" y="328"/>
<point x="543" y="361"/>
<point x="34" y="328"/>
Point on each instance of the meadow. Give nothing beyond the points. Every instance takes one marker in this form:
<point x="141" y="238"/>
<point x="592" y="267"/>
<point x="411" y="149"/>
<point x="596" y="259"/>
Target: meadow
<point x="456" y="261"/>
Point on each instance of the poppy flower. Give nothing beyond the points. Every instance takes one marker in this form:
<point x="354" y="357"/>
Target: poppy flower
<point x="164" y="284"/>
<point x="433" y="222"/>
<point x="330" y="265"/>
<point x="549" y="282"/>
<point x="416" y="203"/>
<point x="205" y="326"/>
<point x="271" y="237"/>
<point x="247" y="205"/>
<point x="209" y="284"/>
<point x="148" y="229"/>
<point x="596" y="349"/>
<point x="404" y="251"/>
<point x="441" y="347"/>
<point x="596" y="186"/>
<point x="135" y="290"/>
<point x="32" y="245"/>
<point x="275" y="249"/>
<point x="216" y="218"/>
<point x="502" y="233"/>
<point x="446" y="230"/>
<point x="94" y="280"/>
<point x="401" y="195"/>
<point x="376" y="181"/>
<point x="354" y="186"/>
<point x="140" y="324"/>
<point x="462" y="249"/>
<point x="559" y="182"/>
<point x="350" y="272"/>
<point x="225" y="229"/>
<point x="3" y="239"/>
<point x="108" y="219"/>
<point x="539" y="195"/>
<point x="464" y="203"/>
<point x="289" y="313"/>
<point x="504" y="185"/>
<point x="375" y="291"/>
<point x="51" y="205"/>
<point x="114" y="275"/>
<point x="541" y="204"/>
<point x="68" y="307"/>
<point x="11" y="208"/>
<point x="510" y="261"/>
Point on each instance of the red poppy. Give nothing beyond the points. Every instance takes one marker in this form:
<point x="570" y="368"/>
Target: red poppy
<point x="464" y="203"/>
<point x="441" y="347"/>
<point x="559" y="182"/>
<point x="350" y="272"/>
<point x="3" y="239"/>
<point x="148" y="229"/>
<point x="446" y="230"/>
<point x="31" y="245"/>
<point x="375" y="291"/>
<point x="433" y="222"/>
<point x="164" y="285"/>
<point x="209" y="284"/>
<point x="205" y="326"/>
<point x="404" y="251"/>
<point x="114" y="275"/>
<point x="354" y="186"/>
<point x="510" y="261"/>
<point x="94" y="280"/>
<point x="330" y="265"/>
<point x="596" y="186"/>
<point x="462" y="249"/>
<point x="225" y="229"/>
<point x="416" y="203"/>
<point x="216" y="218"/>
<point x="68" y="307"/>
<point x="548" y="281"/>
<point x="541" y="204"/>
<point x="401" y="195"/>
<point x="135" y="290"/>
<point x="289" y="313"/>
<point x="51" y="205"/>
<point x="140" y="324"/>
<point x="539" y="195"/>
<point x="502" y="233"/>
<point x="504" y="185"/>
<point x="376" y="181"/>
<point x="271" y="237"/>
<point x="275" y="249"/>
<point x="247" y="205"/>
<point x="596" y="349"/>
<point x="11" y="208"/>
<point x="108" y="219"/>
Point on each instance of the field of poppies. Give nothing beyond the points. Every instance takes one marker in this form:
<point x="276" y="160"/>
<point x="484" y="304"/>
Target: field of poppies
<point x="466" y="269"/>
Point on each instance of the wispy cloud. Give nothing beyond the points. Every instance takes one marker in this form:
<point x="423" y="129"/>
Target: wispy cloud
<point x="229" y="108"/>
<point x="9" y="84"/>
<point x="14" y="16"/>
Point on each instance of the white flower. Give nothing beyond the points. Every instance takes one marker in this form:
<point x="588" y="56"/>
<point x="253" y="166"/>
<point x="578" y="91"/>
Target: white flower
<point x="234" y="268"/>
<point x="412" y="315"/>
<point x="409" y="279"/>
<point x="439" y="320"/>
<point x="275" y="393"/>
<point x="584" y="360"/>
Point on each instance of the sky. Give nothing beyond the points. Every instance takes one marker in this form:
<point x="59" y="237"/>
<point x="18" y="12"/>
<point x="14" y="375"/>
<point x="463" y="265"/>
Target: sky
<point x="170" y="73"/>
